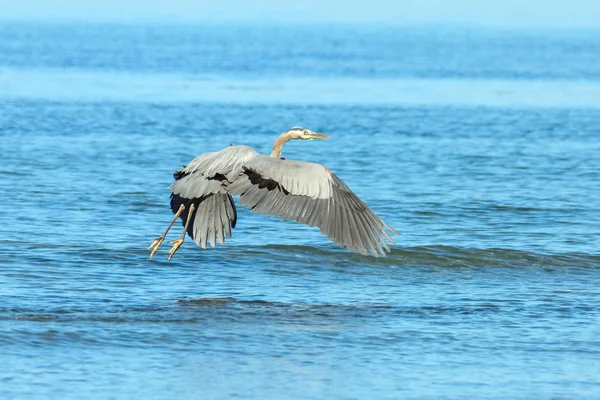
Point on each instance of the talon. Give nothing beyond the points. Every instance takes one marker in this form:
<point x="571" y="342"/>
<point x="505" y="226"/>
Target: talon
<point x="176" y="245"/>
<point x="155" y="245"/>
<point x="158" y="241"/>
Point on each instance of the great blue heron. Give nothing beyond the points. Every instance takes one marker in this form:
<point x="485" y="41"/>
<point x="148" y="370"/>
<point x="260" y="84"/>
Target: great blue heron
<point x="306" y="192"/>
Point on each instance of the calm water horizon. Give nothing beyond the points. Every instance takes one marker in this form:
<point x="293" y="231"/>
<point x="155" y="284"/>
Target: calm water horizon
<point x="480" y="146"/>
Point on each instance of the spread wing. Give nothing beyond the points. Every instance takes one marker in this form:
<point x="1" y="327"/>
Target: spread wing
<point x="201" y="183"/>
<point x="311" y="194"/>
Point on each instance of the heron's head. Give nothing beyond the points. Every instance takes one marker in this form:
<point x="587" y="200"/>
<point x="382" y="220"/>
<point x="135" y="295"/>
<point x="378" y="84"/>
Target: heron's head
<point x="298" y="132"/>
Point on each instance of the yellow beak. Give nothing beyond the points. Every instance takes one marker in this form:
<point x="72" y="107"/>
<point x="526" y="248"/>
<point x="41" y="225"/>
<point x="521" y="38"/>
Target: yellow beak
<point x="320" y="136"/>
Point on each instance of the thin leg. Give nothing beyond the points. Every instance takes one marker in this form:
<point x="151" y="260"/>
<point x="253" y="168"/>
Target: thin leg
<point x="158" y="241"/>
<point x="177" y="243"/>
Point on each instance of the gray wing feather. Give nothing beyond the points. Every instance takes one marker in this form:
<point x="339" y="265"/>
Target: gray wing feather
<point x="297" y="177"/>
<point x="310" y="194"/>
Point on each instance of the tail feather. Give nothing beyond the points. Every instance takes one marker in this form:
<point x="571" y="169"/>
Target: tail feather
<point x="219" y="205"/>
<point x="177" y="201"/>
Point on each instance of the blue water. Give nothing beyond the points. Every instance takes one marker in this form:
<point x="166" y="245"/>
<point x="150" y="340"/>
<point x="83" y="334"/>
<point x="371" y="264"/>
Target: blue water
<point x="482" y="147"/>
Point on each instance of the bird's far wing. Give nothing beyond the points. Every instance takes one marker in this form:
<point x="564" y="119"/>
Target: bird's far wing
<point x="204" y="174"/>
<point x="311" y="194"/>
<point x="201" y="183"/>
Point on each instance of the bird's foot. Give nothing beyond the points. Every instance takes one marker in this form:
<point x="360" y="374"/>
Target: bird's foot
<point x="176" y="245"/>
<point x="155" y="245"/>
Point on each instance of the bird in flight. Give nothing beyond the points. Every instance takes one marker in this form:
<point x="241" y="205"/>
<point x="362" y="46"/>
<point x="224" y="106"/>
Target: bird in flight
<point x="302" y="191"/>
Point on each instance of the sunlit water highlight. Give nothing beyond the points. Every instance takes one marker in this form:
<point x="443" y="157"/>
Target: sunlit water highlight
<point x="172" y="88"/>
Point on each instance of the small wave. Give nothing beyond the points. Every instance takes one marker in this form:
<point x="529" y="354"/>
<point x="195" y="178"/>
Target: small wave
<point x="449" y="256"/>
<point x="435" y="255"/>
<point x="230" y="309"/>
<point x="13" y="173"/>
<point x="313" y="256"/>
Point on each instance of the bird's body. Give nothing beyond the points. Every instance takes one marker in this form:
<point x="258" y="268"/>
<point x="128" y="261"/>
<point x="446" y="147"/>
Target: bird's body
<point x="306" y="192"/>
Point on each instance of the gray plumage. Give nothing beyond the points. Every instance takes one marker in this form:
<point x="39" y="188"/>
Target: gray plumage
<point x="302" y="191"/>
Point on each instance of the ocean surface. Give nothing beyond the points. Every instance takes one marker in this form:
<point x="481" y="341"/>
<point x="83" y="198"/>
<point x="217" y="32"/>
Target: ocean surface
<point x="482" y="147"/>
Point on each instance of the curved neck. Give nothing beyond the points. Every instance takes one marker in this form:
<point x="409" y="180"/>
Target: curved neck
<point x="279" y="142"/>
